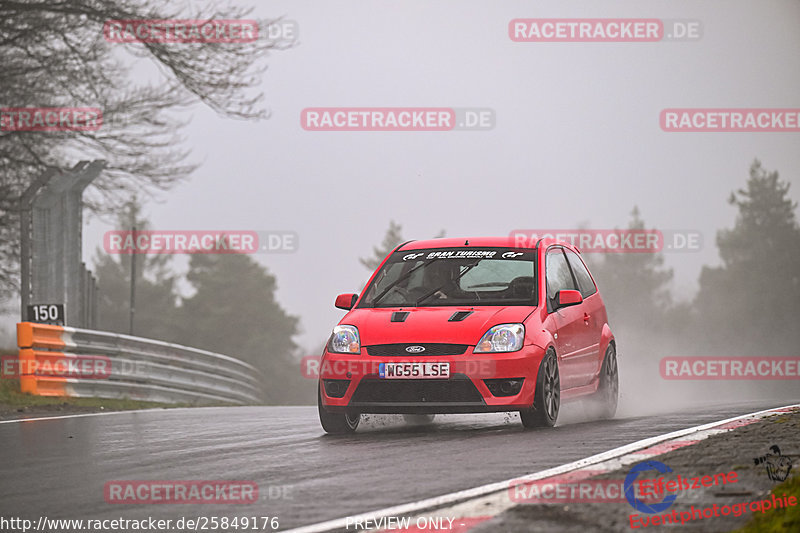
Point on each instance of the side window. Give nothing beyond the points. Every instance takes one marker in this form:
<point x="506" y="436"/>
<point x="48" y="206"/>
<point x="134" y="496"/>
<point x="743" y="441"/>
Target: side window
<point x="585" y="283"/>
<point x="558" y="274"/>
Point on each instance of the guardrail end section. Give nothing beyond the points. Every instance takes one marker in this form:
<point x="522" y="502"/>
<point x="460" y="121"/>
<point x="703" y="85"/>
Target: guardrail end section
<point x="32" y="335"/>
<point x="24" y="335"/>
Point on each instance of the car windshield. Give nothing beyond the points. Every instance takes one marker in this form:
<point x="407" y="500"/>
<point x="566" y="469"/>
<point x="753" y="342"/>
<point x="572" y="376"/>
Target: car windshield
<point x="454" y="277"/>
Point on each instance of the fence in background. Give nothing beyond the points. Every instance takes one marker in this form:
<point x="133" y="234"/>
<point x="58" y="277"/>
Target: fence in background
<point x="66" y="361"/>
<point x="51" y="270"/>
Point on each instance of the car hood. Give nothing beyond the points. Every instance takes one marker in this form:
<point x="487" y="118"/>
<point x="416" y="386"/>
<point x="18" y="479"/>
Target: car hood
<point x="431" y="324"/>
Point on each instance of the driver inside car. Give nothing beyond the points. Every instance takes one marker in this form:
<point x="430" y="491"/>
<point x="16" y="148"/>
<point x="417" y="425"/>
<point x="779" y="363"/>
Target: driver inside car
<point x="441" y="278"/>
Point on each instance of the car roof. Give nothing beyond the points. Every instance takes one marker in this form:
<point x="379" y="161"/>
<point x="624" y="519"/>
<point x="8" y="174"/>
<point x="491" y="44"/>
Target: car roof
<point x="500" y="242"/>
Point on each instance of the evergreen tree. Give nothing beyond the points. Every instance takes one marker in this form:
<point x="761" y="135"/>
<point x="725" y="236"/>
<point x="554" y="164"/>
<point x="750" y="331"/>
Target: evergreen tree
<point x="749" y="302"/>
<point x="233" y="311"/>
<point x="155" y="287"/>
<point x="393" y="237"/>
<point x="635" y="286"/>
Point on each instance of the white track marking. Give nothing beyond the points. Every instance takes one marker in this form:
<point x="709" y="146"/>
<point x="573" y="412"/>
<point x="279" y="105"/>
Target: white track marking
<point x="490" y="506"/>
<point x="61" y="417"/>
<point x="156" y="409"/>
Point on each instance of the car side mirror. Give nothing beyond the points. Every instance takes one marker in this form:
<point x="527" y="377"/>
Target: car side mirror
<point x="566" y="298"/>
<point x="347" y="301"/>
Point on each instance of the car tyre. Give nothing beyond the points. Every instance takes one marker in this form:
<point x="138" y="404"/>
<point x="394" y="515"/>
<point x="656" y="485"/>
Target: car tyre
<point x="603" y="403"/>
<point x="336" y="423"/>
<point x="547" y="398"/>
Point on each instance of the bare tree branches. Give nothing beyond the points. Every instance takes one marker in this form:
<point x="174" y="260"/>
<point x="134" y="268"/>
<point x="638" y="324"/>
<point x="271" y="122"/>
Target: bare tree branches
<point x="54" y="54"/>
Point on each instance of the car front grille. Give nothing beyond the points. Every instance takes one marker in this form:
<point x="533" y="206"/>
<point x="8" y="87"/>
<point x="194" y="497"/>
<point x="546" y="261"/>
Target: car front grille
<point x="457" y="389"/>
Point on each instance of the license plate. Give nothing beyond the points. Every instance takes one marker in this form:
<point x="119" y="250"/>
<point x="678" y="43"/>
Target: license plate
<point x="414" y="370"/>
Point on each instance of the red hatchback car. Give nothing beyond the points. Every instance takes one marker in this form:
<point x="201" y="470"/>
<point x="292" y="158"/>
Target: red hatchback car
<point x="476" y="325"/>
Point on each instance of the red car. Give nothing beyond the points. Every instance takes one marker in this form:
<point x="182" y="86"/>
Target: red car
<point x="457" y="326"/>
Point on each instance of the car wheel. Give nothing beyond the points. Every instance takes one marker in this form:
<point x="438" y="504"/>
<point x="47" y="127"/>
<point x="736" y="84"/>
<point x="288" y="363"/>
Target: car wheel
<point x="603" y="403"/>
<point x="336" y="423"/>
<point x="547" y="398"/>
<point x="418" y="420"/>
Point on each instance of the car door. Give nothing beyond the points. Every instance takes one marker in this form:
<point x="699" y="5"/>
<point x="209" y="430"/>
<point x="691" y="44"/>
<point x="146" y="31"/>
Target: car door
<point x="568" y="337"/>
<point x="593" y="317"/>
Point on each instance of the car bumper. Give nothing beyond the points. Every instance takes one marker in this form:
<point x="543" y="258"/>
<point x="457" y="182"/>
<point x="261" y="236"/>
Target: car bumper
<point x="477" y="383"/>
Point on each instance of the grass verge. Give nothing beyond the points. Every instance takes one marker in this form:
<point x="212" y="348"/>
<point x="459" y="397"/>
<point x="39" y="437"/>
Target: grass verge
<point x="781" y="519"/>
<point x="11" y="399"/>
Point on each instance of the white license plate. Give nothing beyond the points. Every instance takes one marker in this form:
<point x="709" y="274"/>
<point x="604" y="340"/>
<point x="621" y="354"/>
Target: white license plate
<point x="414" y="370"/>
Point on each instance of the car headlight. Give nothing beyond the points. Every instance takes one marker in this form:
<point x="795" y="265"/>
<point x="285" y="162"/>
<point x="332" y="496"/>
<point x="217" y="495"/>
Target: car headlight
<point x="501" y="338"/>
<point x="345" y="340"/>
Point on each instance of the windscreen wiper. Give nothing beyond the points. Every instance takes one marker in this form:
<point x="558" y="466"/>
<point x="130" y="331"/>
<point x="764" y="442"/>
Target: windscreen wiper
<point x="401" y="278"/>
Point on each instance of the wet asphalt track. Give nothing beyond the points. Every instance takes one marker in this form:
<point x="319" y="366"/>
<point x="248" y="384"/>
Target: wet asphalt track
<point x="57" y="468"/>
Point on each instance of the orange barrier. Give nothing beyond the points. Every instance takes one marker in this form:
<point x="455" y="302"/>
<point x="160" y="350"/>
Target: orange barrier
<point x="31" y="335"/>
<point x="27" y="380"/>
<point x="46" y="386"/>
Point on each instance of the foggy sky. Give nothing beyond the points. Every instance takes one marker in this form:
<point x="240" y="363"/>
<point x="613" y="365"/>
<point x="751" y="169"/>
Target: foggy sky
<point x="577" y="138"/>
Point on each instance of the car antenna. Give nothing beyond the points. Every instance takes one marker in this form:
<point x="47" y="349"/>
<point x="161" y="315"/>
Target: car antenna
<point x="466" y="243"/>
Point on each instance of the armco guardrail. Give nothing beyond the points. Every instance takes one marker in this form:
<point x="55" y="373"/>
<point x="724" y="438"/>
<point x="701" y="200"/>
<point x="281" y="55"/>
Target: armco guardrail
<point x="65" y="361"/>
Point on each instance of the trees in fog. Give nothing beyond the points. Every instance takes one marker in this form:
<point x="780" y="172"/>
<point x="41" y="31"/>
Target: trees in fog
<point x="392" y="238"/>
<point x="156" y="286"/>
<point x="233" y="311"/>
<point x="749" y="302"/>
<point x="635" y="286"/>
<point x="746" y="305"/>
<point x="225" y="303"/>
